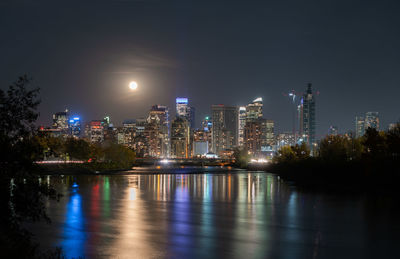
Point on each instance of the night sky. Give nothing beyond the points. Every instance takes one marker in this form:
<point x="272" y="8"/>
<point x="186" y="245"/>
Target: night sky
<point x="83" y="55"/>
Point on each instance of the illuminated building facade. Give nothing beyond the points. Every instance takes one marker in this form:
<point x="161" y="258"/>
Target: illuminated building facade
<point x="206" y="124"/>
<point x="307" y="117"/>
<point x="141" y="139"/>
<point x="126" y="134"/>
<point x="254" y="109"/>
<point x="185" y="111"/>
<point x="201" y="141"/>
<point x="241" y="124"/>
<point x="360" y="126"/>
<point x="268" y="136"/>
<point x="109" y="131"/>
<point x="60" y="121"/>
<point x="285" y="139"/>
<point x="96" y="131"/>
<point x="225" y="127"/>
<point x="74" y="126"/>
<point x="372" y="120"/>
<point x="259" y="136"/>
<point x="180" y="138"/>
<point x="50" y="132"/>
<point x="252" y="136"/>
<point x="158" y="131"/>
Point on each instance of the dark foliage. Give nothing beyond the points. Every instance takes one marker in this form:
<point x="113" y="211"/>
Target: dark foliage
<point x="369" y="163"/>
<point x="21" y="194"/>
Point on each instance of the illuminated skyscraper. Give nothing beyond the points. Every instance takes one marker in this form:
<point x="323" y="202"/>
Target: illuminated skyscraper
<point x="372" y="120"/>
<point x="109" y="131"/>
<point x="181" y="107"/>
<point x="259" y="136"/>
<point x="141" y="140"/>
<point x="60" y="121"/>
<point x="254" y="109"/>
<point x="242" y="123"/>
<point x="225" y="127"/>
<point x="96" y="131"/>
<point x="158" y="128"/>
<point x="74" y="126"/>
<point x="253" y="136"/>
<point x="360" y="126"/>
<point x="185" y="111"/>
<point x="180" y="137"/>
<point x="126" y="134"/>
<point x="268" y="133"/>
<point x="307" y="116"/>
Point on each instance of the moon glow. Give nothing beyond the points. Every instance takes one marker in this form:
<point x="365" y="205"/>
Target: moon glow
<point x="133" y="85"/>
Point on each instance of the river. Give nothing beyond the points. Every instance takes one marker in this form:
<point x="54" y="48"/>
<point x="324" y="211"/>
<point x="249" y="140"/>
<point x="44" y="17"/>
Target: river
<point x="179" y="213"/>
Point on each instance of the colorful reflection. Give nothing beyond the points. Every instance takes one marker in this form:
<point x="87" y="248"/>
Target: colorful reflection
<point x="232" y="215"/>
<point x="74" y="235"/>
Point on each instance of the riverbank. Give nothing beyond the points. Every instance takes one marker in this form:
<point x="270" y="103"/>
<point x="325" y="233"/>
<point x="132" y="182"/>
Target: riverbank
<point x="339" y="176"/>
<point x="87" y="169"/>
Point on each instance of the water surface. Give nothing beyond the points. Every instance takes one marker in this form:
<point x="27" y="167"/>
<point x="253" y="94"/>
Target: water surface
<point x="217" y="214"/>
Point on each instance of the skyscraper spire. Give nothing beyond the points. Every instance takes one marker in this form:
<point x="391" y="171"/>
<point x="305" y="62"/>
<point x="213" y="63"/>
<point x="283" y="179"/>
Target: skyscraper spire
<point x="307" y="117"/>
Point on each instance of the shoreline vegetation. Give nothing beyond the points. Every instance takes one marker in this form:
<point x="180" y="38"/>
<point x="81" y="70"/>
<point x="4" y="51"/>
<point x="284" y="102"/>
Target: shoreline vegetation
<point x="369" y="164"/>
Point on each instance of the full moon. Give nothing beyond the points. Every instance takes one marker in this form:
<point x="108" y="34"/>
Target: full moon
<point x="133" y="85"/>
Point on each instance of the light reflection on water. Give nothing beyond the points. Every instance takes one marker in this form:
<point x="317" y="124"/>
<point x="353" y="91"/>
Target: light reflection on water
<point x="232" y="215"/>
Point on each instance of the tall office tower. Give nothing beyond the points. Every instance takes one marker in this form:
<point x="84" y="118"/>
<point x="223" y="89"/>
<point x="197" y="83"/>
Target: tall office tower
<point x="225" y="127"/>
<point x="141" y="140"/>
<point x="268" y="142"/>
<point x="360" y="126"/>
<point x="158" y="128"/>
<point x="372" y="120"/>
<point x="185" y="111"/>
<point x="74" y="126"/>
<point x="60" y="121"/>
<point x="242" y="123"/>
<point x="333" y="131"/>
<point x="253" y="136"/>
<point x="307" y="123"/>
<point x="181" y="107"/>
<point x="126" y="134"/>
<point x="96" y="131"/>
<point x="109" y="131"/>
<point x="254" y="109"/>
<point x="259" y="136"/>
<point x="180" y="137"/>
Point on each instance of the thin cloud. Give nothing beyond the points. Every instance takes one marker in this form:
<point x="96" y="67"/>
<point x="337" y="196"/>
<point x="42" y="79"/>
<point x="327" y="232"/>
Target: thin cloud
<point x="142" y="60"/>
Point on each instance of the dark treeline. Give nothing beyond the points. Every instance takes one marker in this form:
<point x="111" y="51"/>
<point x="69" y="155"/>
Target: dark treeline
<point x="104" y="156"/>
<point x="21" y="193"/>
<point x="369" y="163"/>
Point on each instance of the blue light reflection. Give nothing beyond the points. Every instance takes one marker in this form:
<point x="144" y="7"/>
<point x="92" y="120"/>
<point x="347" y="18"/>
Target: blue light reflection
<point x="74" y="232"/>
